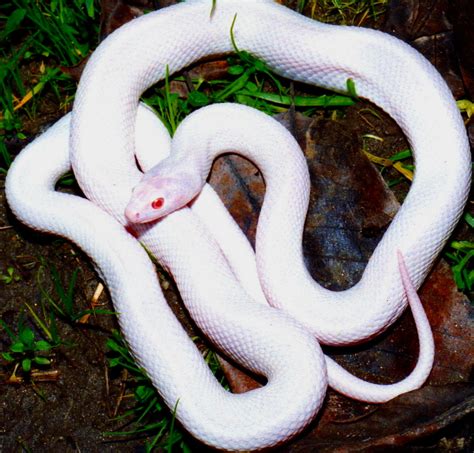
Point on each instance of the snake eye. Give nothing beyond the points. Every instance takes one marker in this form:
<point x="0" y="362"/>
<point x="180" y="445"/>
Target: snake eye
<point x="158" y="203"/>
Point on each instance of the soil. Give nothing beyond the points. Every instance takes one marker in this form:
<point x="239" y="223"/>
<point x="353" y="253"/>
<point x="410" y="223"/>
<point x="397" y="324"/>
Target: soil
<point x="71" y="404"/>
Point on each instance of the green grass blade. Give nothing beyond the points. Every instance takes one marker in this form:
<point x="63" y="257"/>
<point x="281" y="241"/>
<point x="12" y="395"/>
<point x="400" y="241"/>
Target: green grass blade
<point x="40" y="322"/>
<point x="7" y="329"/>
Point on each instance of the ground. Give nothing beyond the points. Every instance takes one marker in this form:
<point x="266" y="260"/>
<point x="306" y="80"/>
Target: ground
<point x="72" y="403"/>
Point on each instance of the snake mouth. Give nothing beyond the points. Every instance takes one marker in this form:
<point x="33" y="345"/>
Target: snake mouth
<point x="133" y="215"/>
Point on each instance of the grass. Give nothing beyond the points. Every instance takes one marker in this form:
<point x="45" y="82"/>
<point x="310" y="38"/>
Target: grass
<point x="344" y="12"/>
<point x="9" y="276"/>
<point x="149" y="416"/>
<point x="40" y="37"/>
<point x="460" y="254"/>
<point x="249" y="81"/>
<point x="25" y="349"/>
<point x="62" y="303"/>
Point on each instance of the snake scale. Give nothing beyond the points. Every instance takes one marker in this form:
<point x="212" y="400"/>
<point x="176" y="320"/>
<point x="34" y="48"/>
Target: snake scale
<point x="99" y="141"/>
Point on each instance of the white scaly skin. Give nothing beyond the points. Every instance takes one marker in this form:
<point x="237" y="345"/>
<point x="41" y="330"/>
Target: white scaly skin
<point x="384" y="70"/>
<point x="203" y="136"/>
<point x="214" y="130"/>
<point x="261" y="338"/>
<point x="157" y="340"/>
<point x="136" y="56"/>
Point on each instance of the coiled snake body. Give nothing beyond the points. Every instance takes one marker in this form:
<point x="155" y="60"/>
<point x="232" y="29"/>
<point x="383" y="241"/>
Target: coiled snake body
<point x="101" y="149"/>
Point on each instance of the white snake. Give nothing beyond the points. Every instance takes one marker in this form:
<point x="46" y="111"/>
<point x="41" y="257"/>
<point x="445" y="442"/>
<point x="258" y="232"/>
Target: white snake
<point x="102" y="134"/>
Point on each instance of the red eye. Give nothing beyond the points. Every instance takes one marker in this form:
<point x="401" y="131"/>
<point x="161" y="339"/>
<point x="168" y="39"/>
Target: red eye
<point x="158" y="203"/>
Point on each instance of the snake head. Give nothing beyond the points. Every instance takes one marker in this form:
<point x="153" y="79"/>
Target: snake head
<point x="157" y="196"/>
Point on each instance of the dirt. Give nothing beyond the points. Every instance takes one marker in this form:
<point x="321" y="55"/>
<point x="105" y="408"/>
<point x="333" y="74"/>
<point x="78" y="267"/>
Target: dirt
<point x="77" y="403"/>
<point x="72" y="410"/>
<point x="70" y="405"/>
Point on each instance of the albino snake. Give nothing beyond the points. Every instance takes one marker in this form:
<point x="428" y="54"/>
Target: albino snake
<point x="385" y="71"/>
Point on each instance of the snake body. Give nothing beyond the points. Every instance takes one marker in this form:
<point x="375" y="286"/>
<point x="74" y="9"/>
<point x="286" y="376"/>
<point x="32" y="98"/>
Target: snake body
<point x="178" y="179"/>
<point x="384" y="69"/>
<point x="263" y="339"/>
<point x="101" y="150"/>
<point x="282" y="351"/>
